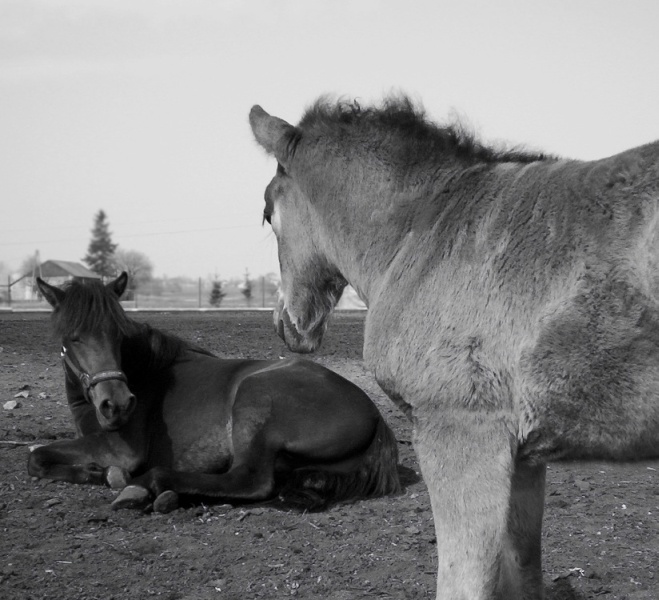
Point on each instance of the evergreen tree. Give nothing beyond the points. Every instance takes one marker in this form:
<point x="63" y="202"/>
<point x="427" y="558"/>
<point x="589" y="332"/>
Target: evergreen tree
<point x="246" y="288"/>
<point x="100" y="253"/>
<point x="217" y="293"/>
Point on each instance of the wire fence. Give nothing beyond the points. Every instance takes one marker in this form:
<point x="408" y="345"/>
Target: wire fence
<point x="182" y="294"/>
<point x="176" y="294"/>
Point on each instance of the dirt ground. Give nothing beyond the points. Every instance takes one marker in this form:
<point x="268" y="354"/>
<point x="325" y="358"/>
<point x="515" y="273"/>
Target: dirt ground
<point x="62" y="541"/>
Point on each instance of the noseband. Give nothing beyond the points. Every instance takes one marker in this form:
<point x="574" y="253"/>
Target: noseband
<point x="89" y="381"/>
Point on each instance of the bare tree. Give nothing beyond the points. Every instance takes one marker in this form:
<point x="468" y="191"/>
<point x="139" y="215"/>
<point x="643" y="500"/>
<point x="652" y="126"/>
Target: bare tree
<point x="136" y="264"/>
<point x="30" y="264"/>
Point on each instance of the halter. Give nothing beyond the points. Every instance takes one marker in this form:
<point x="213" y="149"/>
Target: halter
<point x="89" y="381"/>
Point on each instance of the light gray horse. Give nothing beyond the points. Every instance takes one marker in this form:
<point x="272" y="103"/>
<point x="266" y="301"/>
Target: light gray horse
<point x="512" y="309"/>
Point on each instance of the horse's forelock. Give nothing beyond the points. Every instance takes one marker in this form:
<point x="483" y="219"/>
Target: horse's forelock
<point x="89" y="307"/>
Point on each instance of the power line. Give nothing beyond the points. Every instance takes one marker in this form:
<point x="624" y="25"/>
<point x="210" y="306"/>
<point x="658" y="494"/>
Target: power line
<point x="135" y="235"/>
<point x="112" y="225"/>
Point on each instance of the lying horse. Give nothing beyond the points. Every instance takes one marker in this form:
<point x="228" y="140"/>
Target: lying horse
<point x="179" y="419"/>
<point x="512" y="314"/>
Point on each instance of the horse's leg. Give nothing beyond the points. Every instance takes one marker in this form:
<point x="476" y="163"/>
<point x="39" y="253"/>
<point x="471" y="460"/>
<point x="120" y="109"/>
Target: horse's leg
<point x="522" y="561"/>
<point x="467" y="461"/>
<point x="251" y="476"/>
<point x="82" y="411"/>
<point x="83" y="460"/>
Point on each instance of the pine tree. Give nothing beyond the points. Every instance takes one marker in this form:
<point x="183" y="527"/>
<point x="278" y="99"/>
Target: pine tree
<point x="216" y="293"/>
<point x="100" y="252"/>
<point x="246" y="288"/>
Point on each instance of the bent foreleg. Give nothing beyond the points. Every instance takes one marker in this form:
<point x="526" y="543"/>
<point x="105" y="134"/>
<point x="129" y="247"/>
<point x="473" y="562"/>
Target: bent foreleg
<point x="85" y="460"/>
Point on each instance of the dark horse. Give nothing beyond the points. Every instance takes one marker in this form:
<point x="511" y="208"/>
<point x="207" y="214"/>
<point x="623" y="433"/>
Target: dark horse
<point x="178" y="418"/>
<point x="513" y="309"/>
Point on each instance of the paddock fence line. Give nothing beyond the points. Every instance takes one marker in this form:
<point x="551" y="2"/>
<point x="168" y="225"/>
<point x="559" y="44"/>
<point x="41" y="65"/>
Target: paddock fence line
<point x="181" y="295"/>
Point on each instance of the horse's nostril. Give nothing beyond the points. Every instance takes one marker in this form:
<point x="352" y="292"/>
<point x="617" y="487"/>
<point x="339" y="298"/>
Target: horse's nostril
<point x="130" y="405"/>
<point x="107" y="408"/>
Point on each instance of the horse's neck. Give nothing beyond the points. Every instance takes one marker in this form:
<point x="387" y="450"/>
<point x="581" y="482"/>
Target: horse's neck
<point x="377" y="226"/>
<point x="146" y="351"/>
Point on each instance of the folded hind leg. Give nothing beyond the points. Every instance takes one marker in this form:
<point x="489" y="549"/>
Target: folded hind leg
<point x="250" y="477"/>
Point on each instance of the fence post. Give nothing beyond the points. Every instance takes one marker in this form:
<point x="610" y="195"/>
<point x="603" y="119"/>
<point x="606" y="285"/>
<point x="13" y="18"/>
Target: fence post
<point x="262" y="291"/>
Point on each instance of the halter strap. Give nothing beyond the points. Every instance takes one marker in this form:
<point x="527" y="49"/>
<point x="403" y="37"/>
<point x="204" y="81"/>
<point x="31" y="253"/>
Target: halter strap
<point x="89" y="381"/>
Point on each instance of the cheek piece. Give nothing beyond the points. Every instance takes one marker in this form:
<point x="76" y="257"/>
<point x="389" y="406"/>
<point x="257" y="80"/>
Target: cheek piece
<point x="89" y="381"/>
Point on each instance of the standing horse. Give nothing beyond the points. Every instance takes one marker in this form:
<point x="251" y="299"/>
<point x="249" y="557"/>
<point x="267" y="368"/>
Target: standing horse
<point x="511" y="309"/>
<point x="181" y="419"/>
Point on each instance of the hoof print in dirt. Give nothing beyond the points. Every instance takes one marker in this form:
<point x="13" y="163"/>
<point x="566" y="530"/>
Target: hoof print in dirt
<point x="117" y="478"/>
<point x="132" y="496"/>
<point x="166" y="502"/>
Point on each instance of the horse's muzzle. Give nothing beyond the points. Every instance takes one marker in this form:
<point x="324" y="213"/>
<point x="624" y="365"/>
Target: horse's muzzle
<point x="286" y="329"/>
<point x="114" y="404"/>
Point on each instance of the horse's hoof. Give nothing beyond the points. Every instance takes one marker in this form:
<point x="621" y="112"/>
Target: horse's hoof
<point x="166" y="502"/>
<point x="132" y="496"/>
<point x="117" y="478"/>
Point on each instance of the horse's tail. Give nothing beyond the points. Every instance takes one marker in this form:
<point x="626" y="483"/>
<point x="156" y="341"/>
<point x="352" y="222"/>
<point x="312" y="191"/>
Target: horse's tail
<point x="375" y="475"/>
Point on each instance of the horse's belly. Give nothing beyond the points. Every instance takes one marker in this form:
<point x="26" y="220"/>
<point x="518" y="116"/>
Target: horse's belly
<point x="591" y="387"/>
<point x="587" y="388"/>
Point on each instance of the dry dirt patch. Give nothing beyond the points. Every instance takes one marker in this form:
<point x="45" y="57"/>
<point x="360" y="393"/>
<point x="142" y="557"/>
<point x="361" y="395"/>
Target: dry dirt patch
<point x="63" y="541"/>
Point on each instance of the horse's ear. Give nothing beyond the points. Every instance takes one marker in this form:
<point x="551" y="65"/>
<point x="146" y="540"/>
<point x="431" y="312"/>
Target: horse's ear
<point x="275" y="135"/>
<point x="118" y="286"/>
<point x="52" y="294"/>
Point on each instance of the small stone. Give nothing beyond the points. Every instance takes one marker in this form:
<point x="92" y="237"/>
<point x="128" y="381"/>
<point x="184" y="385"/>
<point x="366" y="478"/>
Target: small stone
<point x="42" y="396"/>
<point x="52" y="502"/>
<point x="117" y="478"/>
<point x="23" y="394"/>
<point x="11" y="405"/>
<point x="583" y="486"/>
<point x="166" y="502"/>
<point x="132" y="496"/>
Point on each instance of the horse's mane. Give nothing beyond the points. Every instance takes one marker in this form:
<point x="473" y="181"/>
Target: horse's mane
<point x="148" y="349"/>
<point x="90" y="306"/>
<point x="407" y="125"/>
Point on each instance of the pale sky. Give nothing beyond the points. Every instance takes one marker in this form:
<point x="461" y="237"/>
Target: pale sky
<point x="139" y="107"/>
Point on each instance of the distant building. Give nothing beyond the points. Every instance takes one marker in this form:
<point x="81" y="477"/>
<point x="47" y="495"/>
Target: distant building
<point x="55" y="272"/>
<point x="58" y="272"/>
